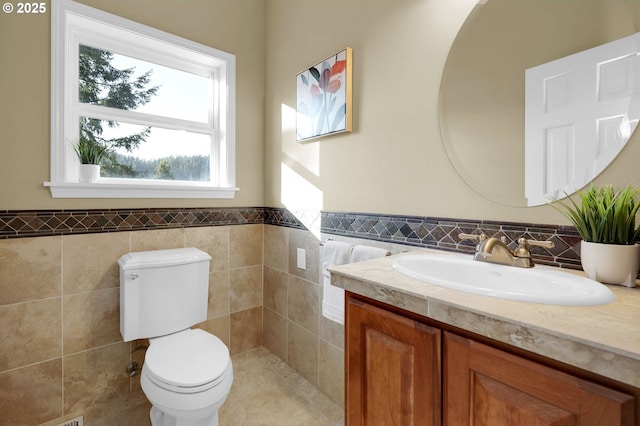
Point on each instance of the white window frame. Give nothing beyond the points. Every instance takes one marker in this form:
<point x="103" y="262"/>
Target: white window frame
<point x="73" y="24"/>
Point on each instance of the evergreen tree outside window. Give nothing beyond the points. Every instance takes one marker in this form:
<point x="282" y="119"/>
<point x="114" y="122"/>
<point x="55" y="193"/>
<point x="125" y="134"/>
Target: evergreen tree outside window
<point x="162" y="106"/>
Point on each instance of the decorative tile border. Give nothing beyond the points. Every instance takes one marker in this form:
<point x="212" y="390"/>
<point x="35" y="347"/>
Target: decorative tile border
<point x="437" y="233"/>
<point x="442" y="234"/>
<point x="282" y="217"/>
<point x="16" y="224"/>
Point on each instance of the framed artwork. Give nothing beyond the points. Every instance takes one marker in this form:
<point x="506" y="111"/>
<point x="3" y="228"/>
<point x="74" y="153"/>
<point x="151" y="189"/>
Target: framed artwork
<point x="324" y="98"/>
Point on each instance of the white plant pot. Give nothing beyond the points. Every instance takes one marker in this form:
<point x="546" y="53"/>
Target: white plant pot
<point x="611" y="263"/>
<point x="89" y="173"/>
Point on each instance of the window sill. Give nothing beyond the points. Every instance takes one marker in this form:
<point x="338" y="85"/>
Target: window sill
<point x="137" y="190"/>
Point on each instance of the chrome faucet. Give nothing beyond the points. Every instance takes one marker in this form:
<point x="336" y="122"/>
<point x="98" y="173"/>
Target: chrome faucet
<point x="494" y="250"/>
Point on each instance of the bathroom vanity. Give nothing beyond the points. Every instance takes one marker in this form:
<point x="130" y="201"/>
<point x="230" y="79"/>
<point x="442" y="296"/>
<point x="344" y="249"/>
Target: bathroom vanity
<point x="416" y="353"/>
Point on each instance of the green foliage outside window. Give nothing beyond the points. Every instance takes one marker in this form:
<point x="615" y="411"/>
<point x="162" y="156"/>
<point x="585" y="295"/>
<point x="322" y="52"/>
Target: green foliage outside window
<point x="100" y="83"/>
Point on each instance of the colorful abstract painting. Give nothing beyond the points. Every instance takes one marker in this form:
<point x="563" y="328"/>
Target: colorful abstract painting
<point x="324" y="97"/>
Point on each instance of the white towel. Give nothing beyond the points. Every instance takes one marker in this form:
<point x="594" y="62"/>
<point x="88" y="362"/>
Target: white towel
<point x="361" y="253"/>
<point x="335" y="253"/>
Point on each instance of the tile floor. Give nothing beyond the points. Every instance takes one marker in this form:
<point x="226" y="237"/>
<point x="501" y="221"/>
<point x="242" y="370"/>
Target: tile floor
<point x="267" y="392"/>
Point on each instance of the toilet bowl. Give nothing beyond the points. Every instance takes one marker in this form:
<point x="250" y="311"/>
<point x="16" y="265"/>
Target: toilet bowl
<point x="187" y="373"/>
<point x="187" y="377"/>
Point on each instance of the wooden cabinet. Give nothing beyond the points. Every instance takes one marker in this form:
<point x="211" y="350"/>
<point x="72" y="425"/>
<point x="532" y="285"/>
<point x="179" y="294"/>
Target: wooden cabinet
<point x="484" y="386"/>
<point x="392" y="369"/>
<point x="402" y="370"/>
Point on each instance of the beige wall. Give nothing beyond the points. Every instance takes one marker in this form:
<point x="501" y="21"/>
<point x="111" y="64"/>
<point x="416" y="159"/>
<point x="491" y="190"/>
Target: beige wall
<point x="62" y="354"/>
<point x="393" y="161"/>
<point x="230" y="25"/>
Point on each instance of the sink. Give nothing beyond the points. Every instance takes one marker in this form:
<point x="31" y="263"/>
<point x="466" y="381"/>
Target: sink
<point x="539" y="284"/>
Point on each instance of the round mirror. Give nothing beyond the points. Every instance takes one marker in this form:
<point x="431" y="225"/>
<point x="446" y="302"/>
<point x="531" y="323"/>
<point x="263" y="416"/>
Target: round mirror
<point x="482" y="92"/>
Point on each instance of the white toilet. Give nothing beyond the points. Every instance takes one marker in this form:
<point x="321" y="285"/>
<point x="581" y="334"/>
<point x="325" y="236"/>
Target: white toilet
<point x="187" y="373"/>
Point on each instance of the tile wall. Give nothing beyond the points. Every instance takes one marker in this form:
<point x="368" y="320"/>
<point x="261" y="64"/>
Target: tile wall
<point x="294" y="328"/>
<point x="62" y="354"/>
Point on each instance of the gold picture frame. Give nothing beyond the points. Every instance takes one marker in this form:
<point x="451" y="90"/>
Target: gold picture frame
<point x="324" y="98"/>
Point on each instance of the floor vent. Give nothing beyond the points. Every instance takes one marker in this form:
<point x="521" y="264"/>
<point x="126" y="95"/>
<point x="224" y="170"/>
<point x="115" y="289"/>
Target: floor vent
<point x="78" y="421"/>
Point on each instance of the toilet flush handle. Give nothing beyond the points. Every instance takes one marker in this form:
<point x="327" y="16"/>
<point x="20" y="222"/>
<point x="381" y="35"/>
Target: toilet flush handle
<point x="133" y="275"/>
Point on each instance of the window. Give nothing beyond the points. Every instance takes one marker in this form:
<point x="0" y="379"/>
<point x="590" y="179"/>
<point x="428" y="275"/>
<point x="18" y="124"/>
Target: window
<point x="163" y="108"/>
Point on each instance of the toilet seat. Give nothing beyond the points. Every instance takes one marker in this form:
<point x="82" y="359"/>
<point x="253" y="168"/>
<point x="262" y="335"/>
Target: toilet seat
<point x="189" y="361"/>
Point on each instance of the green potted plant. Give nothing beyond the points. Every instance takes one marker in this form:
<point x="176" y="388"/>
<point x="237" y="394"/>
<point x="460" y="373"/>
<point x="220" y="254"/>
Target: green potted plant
<point x="90" y="153"/>
<point x="606" y="221"/>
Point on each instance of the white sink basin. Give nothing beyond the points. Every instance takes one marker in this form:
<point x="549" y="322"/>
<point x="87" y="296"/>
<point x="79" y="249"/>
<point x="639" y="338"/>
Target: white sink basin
<point x="539" y="284"/>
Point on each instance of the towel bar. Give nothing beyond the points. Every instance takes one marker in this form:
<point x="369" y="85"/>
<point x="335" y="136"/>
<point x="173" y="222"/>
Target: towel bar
<point x="323" y="242"/>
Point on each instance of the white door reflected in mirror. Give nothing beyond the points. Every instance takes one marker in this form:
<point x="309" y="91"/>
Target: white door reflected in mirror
<point x="580" y="112"/>
<point x="482" y="92"/>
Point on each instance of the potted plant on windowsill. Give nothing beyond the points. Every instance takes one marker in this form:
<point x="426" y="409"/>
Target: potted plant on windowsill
<point x="90" y="153"/>
<point x="606" y="221"/>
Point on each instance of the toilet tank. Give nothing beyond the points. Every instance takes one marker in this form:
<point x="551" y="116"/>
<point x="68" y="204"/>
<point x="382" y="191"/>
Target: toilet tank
<point x="162" y="291"/>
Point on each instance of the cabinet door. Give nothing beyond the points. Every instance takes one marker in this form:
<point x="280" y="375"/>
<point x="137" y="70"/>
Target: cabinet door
<point x="484" y="386"/>
<point x="392" y="368"/>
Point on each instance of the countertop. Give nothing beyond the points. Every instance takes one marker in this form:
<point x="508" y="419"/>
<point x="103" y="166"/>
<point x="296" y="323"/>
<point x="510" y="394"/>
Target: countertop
<point x="604" y="339"/>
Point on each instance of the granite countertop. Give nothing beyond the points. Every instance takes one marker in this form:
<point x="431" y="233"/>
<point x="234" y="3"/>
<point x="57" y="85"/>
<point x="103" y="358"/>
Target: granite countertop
<point x="603" y="339"/>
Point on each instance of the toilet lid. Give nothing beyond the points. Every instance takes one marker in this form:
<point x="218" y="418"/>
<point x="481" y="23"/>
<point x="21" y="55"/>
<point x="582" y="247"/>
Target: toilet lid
<point x="187" y="359"/>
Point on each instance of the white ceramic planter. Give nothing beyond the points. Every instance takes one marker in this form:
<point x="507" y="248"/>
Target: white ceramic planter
<point x="611" y="263"/>
<point x="89" y="173"/>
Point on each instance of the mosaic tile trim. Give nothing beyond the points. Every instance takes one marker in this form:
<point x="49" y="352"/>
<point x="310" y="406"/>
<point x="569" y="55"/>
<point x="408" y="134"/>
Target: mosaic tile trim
<point x="16" y="224"/>
<point x="437" y="233"/>
<point x="282" y="217"/>
<point x="442" y="234"/>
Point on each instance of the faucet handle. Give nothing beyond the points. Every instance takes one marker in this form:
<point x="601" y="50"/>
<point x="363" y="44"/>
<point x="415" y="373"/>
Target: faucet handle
<point x="536" y="243"/>
<point x="524" y="244"/>
<point x="473" y="237"/>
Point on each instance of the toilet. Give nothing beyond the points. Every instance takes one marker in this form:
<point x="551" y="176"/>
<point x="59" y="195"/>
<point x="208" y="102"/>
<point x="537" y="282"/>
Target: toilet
<point x="187" y="373"/>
